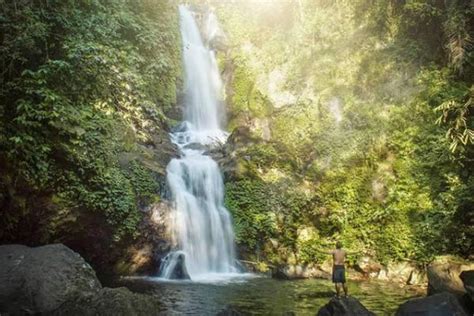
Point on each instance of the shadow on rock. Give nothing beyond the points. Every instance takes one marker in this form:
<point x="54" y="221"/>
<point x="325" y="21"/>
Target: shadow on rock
<point x="441" y="304"/>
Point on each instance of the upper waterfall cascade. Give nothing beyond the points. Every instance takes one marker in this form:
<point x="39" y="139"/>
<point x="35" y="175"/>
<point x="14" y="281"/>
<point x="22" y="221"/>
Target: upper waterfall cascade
<point x="202" y="226"/>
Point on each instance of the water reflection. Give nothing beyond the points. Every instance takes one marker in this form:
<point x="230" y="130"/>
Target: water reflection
<point x="264" y="296"/>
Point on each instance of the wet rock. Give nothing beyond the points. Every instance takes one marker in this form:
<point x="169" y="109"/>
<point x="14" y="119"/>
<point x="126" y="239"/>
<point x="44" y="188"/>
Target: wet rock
<point x="39" y="280"/>
<point x="344" y="306"/>
<point x="180" y="272"/>
<point x="443" y="275"/>
<point x="196" y="146"/>
<point x="118" y="301"/>
<point x="441" y="304"/>
<point x="240" y="267"/>
<point x="368" y="266"/>
<point x="280" y="273"/>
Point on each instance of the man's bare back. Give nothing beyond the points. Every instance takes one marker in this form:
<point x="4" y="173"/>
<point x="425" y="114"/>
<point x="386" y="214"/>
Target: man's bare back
<point x="338" y="257"/>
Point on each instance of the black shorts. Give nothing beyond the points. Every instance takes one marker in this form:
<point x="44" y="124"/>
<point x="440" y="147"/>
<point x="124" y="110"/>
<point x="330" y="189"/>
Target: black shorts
<point x="338" y="274"/>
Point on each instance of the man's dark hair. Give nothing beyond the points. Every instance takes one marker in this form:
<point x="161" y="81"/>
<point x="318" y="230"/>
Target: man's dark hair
<point x="338" y="245"/>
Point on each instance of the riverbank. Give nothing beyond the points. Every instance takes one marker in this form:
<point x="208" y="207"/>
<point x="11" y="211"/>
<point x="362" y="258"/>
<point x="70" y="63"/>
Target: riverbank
<point x="53" y="279"/>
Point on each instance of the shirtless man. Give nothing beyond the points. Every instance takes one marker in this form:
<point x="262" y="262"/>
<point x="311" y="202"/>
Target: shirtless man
<point x="338" y="268"/>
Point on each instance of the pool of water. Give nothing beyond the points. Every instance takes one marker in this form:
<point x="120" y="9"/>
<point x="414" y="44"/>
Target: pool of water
<point x="264" y="296"/>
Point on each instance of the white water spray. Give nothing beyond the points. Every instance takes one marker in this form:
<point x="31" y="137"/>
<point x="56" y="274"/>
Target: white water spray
<point x="202" y="226"/>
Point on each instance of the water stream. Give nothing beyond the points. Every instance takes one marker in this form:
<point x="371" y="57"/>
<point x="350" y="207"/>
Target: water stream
<point x="202" y="226"/>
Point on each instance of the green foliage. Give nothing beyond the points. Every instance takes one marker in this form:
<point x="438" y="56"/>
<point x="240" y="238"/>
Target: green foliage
<point x="375" y="128"/>
<point x="143" y="184"/>
<point x="75" y="75"/>
<point x="246" y="101"/>
<point x="251" y="207"/>
<point x="264" y="211"/>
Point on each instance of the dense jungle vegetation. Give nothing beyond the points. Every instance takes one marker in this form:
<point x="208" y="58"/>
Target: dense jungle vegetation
<point x="84" y="88"/>
<point x="350" y="120"/>
<point x="360" y="127"/>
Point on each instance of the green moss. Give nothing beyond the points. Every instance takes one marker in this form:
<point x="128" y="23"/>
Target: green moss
<point x="143" y="183"/>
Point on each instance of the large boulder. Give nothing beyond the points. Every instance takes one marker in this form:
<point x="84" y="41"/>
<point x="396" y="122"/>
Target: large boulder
<point x="441" y="304"/>
<point x="344" y="306"/>
<point x="39" y="280"/>
<point x="443" y="275"/>
<point x="399" y="272"/>
<point x="180" y="272"/>
<point x="54" y="280"/>
<point x="173" y="266"/>
<point x="403" y="273"/>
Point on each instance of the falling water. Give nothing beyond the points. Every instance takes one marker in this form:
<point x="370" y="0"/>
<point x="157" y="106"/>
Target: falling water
<point x="202" y="226"/>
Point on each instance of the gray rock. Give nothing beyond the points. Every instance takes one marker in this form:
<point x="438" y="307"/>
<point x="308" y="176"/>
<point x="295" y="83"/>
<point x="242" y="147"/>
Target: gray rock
<point x="344" y="306"/>
<point x="54" y="280"/>
<point x="39" y="280"/>
<point x="467" y="278"/>
<point x="443" y="275"/>
<point x="441" y="304"/>
<point x="281" y="273"/>
<point x="368" y="266"/>
<point x="180" y="272"/>
<point x="153" y="243"/>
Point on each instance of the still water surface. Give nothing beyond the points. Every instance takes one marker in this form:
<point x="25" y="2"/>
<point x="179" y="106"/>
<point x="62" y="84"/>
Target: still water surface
<point x="264" y="296"/>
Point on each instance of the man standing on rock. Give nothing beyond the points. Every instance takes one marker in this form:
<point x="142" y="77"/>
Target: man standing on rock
<point x="338" y="268"/>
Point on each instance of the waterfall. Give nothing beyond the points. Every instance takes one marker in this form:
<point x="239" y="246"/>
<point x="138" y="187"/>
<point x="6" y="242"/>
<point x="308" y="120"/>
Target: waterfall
<point x="202" y="226"/>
